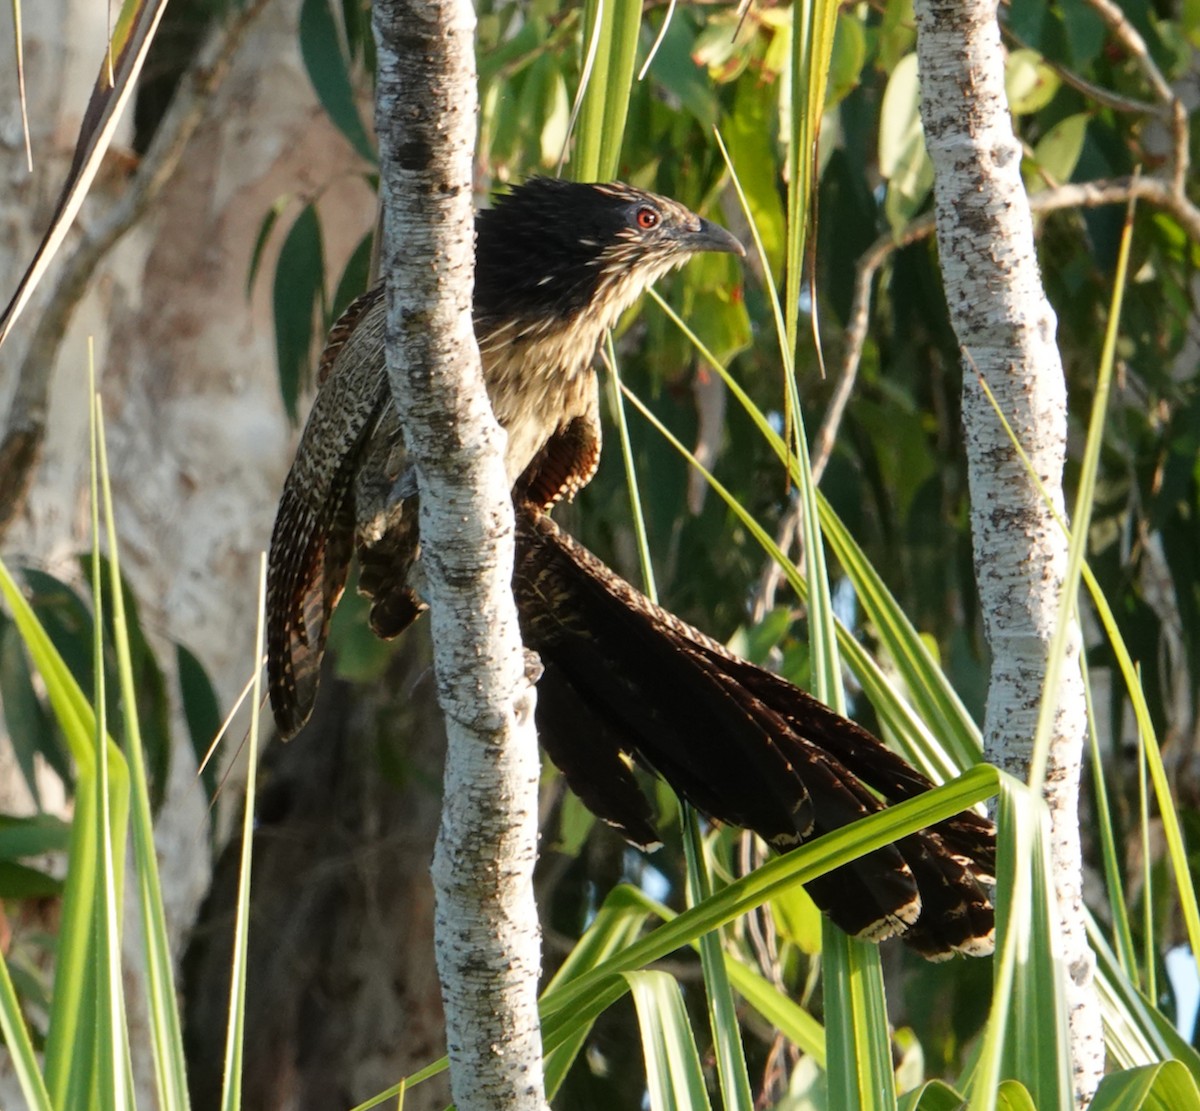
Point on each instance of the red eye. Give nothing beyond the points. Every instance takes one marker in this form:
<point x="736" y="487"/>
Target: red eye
<point x="647" y="218"/>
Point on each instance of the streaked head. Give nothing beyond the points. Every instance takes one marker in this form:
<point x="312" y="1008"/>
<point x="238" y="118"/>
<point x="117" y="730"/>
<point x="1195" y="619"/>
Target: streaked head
<point x="558" y="248"/>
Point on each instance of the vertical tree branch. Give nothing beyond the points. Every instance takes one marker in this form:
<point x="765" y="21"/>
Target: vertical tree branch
<point x="1007" y="331"/>
<point x="486" y="925"/>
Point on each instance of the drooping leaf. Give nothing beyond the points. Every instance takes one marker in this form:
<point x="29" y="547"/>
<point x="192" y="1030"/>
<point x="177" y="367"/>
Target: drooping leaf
<point x="299" y="299"/>
<point x="200" y="711"/>
<point x="329" y="71"/>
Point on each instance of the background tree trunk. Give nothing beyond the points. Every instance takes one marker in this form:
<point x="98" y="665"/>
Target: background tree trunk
<point x="1006" y="329"/>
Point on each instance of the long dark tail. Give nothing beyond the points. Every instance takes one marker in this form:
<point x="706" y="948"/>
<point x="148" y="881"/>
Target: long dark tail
<point x="625" y="681"/>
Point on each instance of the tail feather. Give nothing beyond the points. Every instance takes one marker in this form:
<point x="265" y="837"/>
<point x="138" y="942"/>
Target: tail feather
<point x="741" y="744"/>
<point x="313" y="539"/>
<point x="306" y="574"/>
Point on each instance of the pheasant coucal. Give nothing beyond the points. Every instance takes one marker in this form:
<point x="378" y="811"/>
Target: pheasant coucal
<point x="624" y="681"/>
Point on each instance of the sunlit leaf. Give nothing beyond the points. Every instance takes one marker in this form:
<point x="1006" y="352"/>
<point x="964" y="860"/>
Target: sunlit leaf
<point x="1029" y="81"/>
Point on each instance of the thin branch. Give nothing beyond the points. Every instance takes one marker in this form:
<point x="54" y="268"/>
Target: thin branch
<point x="25" y="428"/>
<point x="1131" y="39"/>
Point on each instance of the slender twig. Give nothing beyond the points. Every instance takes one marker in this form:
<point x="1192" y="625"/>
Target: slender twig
<point x="25" y="427"/>
<point x="1096" y="93"/>
<point x="1131" y="39"/>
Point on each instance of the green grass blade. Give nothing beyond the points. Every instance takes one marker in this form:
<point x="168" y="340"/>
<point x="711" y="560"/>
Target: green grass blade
<point x="111" y="1036"/>
<point x="722" y="1012"/>
<point x="613" y="26"/>
<point x="1122" y="933"/>
<point x="1167" y="1086"/>
<point x="20" y="1049"/>
<point x="777" y="1007"/>
<point x="1066" y="625"/>
<point x="71" y="1067"/>
<point x="617" y="924"/>
<point x="166" y="1030"/>
<point x="74" y="972"/>
<point x="674" y="1079"/>
<point x="813" y="24"/>
<point x="1148" y="945"/>
<point x="1026" y="1035"/>
<point x="858" y="1046"/>
<point x="617" y="405"/>
<point x="1136" y="1033"/>
<point x="231" y="1087"/>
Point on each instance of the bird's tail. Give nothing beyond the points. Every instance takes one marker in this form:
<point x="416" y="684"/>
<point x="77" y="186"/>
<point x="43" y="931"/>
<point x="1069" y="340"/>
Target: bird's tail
<point x="627" y="682"/>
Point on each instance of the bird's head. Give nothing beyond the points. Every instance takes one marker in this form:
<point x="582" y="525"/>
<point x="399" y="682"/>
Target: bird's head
<point x="560" y="249"/>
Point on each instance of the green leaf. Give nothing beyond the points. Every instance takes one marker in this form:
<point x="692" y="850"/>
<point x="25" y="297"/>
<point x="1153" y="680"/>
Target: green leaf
<point x="1029" y="82"/>
<point x="1058" y="151"/>
<point x="903" y="159"/>
<point x="21" y="1053"/>
<point x="1013" y="1096"/>
<point x="264" y="233"/>
<point x="674" y="1079"/>
<point x="355" y="276"/>
<point x="797" y="919"/>
<point x="1026" y="1037"/>
<point x="733" y="1079"/>
<point x="934" y="1095"/>
<point x="857" y="1034"/>
<point x="19" y="881"/>
<point x="849" y="57"/>
<point x="1163" y="1087"/>
<point x="758" y="168"/>
<point x="298" y="296"/>
<point x="33" y="836"/>
<point x="680" y="72"/>
<point x="617" y="924"/>
<point x="28" y="725"/>
<point x="328" y="70"/>
<point x="897" y="34"/>
<point x="201" y="712"/>
<point x="554" y="112"/>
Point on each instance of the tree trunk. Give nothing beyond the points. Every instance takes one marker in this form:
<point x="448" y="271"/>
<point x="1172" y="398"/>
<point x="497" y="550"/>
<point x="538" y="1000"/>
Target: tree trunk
<point x="487" y="934"/>
<point x="1007" y="332"/>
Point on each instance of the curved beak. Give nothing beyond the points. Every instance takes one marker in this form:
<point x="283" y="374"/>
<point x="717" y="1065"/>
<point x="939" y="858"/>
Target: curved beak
<point x="713" y="237"/>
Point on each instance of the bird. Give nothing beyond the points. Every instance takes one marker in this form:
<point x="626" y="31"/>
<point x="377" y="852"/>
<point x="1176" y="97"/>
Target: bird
<point x="556" y="264"/>
<point x="622" y="681"/>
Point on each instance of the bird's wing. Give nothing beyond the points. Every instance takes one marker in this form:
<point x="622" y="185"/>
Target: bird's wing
<point x="313" y="539"/>
<point x="741" y="745"/>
